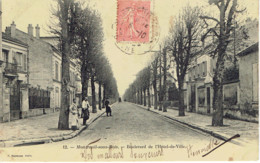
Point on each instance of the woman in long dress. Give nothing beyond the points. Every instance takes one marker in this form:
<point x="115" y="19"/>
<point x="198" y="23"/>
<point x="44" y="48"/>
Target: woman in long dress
<point x="74" y="116"/>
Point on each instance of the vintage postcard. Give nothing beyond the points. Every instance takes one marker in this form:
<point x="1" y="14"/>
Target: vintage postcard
<point x="129" y="80"/>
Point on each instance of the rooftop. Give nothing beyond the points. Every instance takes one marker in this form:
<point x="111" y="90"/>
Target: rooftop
<point x="248" y="50"/>
<point x="9" y="38"/>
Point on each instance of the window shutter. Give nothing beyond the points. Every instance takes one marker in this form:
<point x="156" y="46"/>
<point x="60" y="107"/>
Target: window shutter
<point x="24" y="62"/>
<point x="60" y="72"/>
<point x="205" y="68"/>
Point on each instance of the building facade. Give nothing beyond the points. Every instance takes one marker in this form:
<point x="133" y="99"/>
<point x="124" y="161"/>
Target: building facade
<point x="240" y="99"/>
<point x="14" y="79"/>
<point x="249" y="80"/>
<point x="44" y="71"/>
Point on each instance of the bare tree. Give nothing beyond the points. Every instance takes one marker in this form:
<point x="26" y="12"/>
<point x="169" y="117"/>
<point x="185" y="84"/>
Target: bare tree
<point x="183" y="44"/>
<point x="222" y="28"/>
<point x="164" y="68"/>
<point x="65" y="30"/>
<point x="89" y="49"/>
<point x="154" y="65"/>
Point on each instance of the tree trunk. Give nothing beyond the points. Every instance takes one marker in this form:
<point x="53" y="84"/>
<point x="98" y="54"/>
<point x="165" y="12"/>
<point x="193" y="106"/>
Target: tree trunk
<point x="144" y="97"/>
<point x="155" y="97"/>
<point x="84" y="81"/>
<point x="217" y="119"/>
<point x="99" y="96"/>
<point x="104" y="97"/>
<point x="135" y="101"/>
<point x="65" y="48"/>
<point x="149" y="97"/>
<point x="155" y="82"/>
<point x="141" y="97"/>
<point x="94" y="107"/>
<point x="164" y="79"/>
<point x="160" y="85"/>
<point x="181" y="99"/>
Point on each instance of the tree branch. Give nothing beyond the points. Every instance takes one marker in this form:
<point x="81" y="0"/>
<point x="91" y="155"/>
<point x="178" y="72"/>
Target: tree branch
<point x="210" y="18"/>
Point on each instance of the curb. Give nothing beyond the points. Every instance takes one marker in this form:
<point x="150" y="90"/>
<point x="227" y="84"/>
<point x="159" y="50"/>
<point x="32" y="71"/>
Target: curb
<point x="212" y="133"/>
<point x="16" y="143"/>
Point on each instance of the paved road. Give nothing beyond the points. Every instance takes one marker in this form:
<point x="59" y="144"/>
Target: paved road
<point x="132" y="125"/>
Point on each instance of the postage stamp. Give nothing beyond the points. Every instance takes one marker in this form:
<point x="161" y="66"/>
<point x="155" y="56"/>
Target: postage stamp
<point x="133" y="21"/>
<point x="137" y="27"/>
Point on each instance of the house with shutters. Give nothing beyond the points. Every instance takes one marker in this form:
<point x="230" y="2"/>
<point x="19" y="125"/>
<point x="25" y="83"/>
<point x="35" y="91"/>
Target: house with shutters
<point x="240" y="95"/>
<point x="249" y="83"/>
<point x="198" y="91"/>
<point x="44" y="92"/>
<point x="14" y="79"/>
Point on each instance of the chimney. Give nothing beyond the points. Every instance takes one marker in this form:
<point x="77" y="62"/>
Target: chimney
<point x="37" y="32"/>
<point x="13" y="29"/>
<point x="30" y="30"/>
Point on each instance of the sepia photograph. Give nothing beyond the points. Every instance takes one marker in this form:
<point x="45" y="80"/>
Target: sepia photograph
<point x="129" y="80"/>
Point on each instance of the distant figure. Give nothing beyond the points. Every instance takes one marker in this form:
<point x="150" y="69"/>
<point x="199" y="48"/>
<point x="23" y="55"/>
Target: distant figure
<point x="108" y="108"/>
<point x="85" y="110"/>
<point x="74" y="115"/>
<point x="119" y="99"/>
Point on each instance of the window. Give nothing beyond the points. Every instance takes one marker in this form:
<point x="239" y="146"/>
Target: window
<point x="197" y="70"/>
<point x="60" y="72"/>
<point x="200" y="70"/>
<point x="5" y="55"/>
<point x="193" y="72"/>
<point x="190" y="75"/>
<point x="24" y="62"/>
<point x="18" y="59"/>
<point x="56" y="71"/>
<point x="205" y="68"/>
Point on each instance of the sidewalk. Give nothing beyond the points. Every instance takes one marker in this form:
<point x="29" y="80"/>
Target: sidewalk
<point x="248" y="131"/>
<point x="39" y="129"/>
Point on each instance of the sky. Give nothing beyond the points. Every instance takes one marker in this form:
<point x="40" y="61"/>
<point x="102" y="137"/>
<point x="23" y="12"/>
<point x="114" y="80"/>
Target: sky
<point x="124" y="66"/>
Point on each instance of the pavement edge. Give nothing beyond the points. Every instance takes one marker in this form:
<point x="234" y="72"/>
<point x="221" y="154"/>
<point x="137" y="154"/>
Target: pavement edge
<point x="212" y="133"/>
<point x="15" y="143"/>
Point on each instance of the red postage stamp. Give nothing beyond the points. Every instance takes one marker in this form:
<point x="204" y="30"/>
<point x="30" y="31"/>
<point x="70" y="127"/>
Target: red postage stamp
<point x="133" y="21"/>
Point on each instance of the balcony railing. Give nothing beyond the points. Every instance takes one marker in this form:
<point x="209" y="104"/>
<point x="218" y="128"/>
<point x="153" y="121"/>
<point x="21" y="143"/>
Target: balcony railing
<point x="10" y="69"/>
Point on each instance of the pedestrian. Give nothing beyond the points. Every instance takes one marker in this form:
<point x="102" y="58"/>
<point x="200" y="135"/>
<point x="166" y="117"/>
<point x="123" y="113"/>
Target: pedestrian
<point x="74" y="115"/>
<point x="108" y="108"/>
<point x="85" y="110"/>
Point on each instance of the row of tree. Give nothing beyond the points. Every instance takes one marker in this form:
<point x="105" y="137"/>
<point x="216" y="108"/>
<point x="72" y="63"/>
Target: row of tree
<point x="81" y="35"/>
<point x="187" y="36"/>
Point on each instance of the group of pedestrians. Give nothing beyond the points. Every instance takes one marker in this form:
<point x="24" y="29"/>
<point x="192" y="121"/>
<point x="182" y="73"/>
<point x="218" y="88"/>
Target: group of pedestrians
<point x="84" y="112"/>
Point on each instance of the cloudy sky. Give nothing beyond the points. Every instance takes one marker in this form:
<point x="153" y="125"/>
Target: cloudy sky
<point x="125" y="67"/>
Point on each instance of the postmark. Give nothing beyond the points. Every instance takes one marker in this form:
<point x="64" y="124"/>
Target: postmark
<point x="137" y="29"/>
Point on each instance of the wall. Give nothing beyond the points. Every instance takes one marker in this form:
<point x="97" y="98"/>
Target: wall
<point x="246" y="78"/>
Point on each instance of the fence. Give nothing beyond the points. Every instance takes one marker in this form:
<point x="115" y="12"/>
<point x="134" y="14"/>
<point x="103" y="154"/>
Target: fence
<point x="39" y="98"/>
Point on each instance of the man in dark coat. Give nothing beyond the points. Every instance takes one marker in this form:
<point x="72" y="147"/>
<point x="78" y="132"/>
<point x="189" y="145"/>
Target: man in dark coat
<point x="108" y="108"/>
